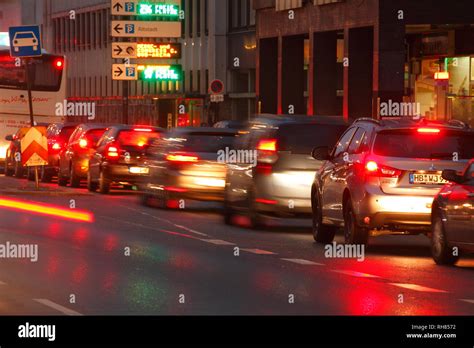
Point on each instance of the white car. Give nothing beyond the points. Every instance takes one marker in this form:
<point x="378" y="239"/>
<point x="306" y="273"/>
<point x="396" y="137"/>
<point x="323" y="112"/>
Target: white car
<point x="25" y="39"/>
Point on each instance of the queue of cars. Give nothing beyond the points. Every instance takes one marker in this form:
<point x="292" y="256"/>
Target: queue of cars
<point x="367" y="179"/>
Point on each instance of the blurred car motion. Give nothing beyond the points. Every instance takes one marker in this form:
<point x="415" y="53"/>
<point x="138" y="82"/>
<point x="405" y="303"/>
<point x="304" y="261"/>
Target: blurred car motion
<point x="232" y="124"/>
<point x="119" y="157"/>
<point x="453" y="217"/>
<point x="73" y="163"/>
<point x="382" y="177"/>
<point x="185" y="165"/>
<point x="279" y="182"/>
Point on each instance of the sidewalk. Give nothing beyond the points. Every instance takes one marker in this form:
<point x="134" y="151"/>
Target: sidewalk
<point x="13" y="187"/>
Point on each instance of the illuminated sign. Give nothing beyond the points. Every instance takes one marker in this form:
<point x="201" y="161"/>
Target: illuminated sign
<point x="442" y="75"/>
<point x="161" y="10"/>
<point x="160" y="72"/>
<point x="172" y="51"/>
<point x="4" y="39"/>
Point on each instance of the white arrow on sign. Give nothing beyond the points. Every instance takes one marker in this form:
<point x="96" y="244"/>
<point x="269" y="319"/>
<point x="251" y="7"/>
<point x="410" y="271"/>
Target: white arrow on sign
<point x="124" y="72"/>
<point x="124" y="50"/>
<point x="146" y="29"/>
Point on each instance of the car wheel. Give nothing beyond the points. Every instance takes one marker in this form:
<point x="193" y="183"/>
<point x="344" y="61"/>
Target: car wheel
<point x="91" y="186"/>
<point x="228" y="212"/>
<point x="75" y="180"/>
<point x="323" y="234"/>
<point x="19" y="171"/>
<point x="256" y="220"/>
<point x="30" y="174"/>
<point x="104" y="184"/>
<point x="8" y="171"/>
<point x="45" y="175"/>
<point x="353" y="233"/>
<point x="440" y="249"/>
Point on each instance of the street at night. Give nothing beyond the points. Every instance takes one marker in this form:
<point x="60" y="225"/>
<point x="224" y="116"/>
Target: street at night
<point x="192" y="253"/>
<point x="221" y="166"/>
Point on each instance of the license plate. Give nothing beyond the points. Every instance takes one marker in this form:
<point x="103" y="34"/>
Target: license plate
<point x="427" y="179"/>
<point x="139" y="170"/>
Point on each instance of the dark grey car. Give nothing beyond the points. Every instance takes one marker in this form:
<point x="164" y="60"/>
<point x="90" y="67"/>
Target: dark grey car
<point x="278" y="181"/>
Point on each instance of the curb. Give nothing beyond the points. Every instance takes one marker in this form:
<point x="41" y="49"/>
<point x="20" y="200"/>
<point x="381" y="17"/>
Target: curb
<point x="44" y="193"/>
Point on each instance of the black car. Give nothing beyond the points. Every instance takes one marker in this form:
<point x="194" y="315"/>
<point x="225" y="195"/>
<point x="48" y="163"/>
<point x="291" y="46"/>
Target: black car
<point x="453" y="217"/>
<point x="118" y="156"/>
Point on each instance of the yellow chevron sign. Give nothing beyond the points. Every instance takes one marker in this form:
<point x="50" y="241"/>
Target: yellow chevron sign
<point x="34" y="147"/>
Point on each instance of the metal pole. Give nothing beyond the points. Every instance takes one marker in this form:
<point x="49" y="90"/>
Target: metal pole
<point x="29" y="87"/>
<point x="125" y="93"/>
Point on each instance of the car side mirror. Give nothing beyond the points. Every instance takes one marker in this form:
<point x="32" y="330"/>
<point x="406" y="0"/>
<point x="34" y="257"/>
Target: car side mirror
<point x="9" y="137"/>
<point x="321" y="153"/>
<point x="453" y="176"/>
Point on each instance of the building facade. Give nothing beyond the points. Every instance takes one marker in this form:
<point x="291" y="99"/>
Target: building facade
<point x="352" y="58"/>
<point x="218" y="42"/>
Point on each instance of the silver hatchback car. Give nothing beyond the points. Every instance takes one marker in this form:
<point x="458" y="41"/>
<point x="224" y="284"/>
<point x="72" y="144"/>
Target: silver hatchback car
<point x="278" y="182"/>
<point x="382" y="177"/>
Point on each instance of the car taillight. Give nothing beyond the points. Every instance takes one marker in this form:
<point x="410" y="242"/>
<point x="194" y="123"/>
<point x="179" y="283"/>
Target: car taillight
<point x="267" y="156"/>
<point x="372" y="168"/>
<point x="269" y="145"/>
<point x="146" y="130"/>
<point x="182" y="158"/>
<point x="429" y="130"/>
<point x="112" y="152"/>
<point x="56" y="146"/>
<point x="83" y="143"/>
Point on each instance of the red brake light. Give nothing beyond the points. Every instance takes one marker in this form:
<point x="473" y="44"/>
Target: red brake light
<point x="381" y="171"/>
<point x="59" y="64"/>
<point x="112" y="152"/>
<point x="372" y="166"/>
<point x="148" y="130"/>
<point x="83" y="143"/>
<point x="267" y="145"/>
<point x="182" y="158"/>
<point x="429" y="130"/>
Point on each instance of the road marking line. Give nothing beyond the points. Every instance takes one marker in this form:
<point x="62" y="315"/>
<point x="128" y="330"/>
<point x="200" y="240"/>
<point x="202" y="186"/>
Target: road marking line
<point x="57" y="307"/>
<point x="468" y="301"/>
<point x="356" y="274"/>
<point x="417" y="288"/>
<point x="165" y="220"/>
<point x="258" y="251"/>
<point x="304" y="262"/>
<point x="217" y="242"/>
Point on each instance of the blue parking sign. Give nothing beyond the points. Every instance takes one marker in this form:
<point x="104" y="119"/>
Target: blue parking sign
<point x="25" y="41"/>
<point x="130" y="28"/>
<point x="130" y="7"/>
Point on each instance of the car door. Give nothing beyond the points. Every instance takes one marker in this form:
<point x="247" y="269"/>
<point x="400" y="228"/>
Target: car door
<point x="333" y="177"/>
<point x="460" y="210"/>
<point x="96" y="158"/>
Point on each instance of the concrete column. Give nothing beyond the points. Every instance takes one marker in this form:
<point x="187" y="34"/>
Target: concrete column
<point x="267" y="75"/>
<point x="293" y="75"/>
<point x="360" y="82"/>
<point x="326" y="102"/>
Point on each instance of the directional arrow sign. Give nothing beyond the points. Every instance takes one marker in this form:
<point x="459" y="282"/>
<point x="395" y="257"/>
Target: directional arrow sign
<point x="124" y="50"/>
<point x="124" y="72"/>
<point x="166" y="9"/>
<point x="146" y="29"/>
<point x="34" y="147"/>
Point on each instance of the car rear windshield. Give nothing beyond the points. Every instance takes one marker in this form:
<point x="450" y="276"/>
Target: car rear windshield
<point x="66" y="133"/>
<point x="206" y="142"/>
<point x="411" y="144"/>
<point x="303" y="138"/>
<point x="94" y="135"/>
<point x="133" y="138"/>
